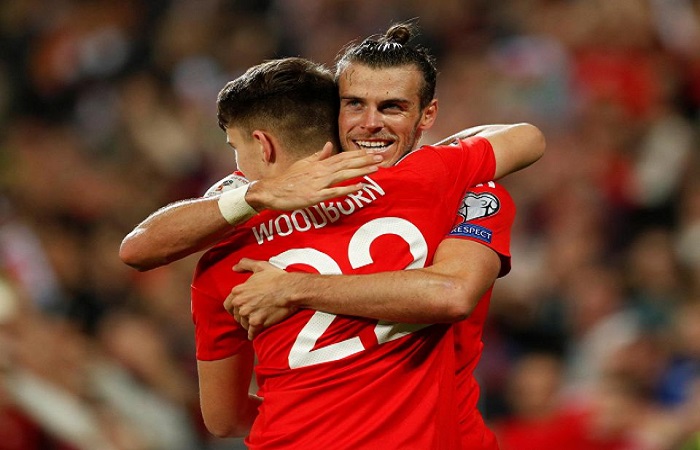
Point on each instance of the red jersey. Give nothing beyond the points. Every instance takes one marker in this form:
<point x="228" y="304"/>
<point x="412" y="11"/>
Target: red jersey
<point x="486" y="216"/>
<point x="344" y="382"/>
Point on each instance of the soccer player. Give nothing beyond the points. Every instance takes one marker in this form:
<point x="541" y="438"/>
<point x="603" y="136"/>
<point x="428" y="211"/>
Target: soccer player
<point x="464" y="268"/>
<point x="484" y="223"/>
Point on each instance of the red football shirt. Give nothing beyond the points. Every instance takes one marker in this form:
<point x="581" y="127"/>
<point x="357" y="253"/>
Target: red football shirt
<point x="340" y="382"/>
<point x="486" y="216"/>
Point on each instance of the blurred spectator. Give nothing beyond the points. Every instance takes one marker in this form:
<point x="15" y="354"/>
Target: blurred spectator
<point x="534" y="420"/>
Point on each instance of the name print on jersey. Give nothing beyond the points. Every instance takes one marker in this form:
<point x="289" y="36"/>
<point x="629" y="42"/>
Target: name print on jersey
<point x="317" y="216"/>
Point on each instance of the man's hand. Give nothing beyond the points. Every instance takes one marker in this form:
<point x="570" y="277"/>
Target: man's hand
<point x="261" y="301"/>
<point x="310" y="180"/>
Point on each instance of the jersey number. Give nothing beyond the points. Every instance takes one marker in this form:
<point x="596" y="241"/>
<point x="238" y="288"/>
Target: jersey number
<point x="302" y="353"/>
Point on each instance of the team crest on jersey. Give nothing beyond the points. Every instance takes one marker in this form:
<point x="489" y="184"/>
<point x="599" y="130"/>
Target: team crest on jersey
<point x="476" y="206"/>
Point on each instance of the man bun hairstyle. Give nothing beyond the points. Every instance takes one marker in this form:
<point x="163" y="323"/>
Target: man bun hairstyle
<point x="392" y="49"/>
<point x="399" y="33"/>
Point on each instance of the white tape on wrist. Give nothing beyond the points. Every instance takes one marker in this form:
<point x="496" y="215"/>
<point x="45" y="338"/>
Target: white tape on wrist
<point x="233" y="206"/>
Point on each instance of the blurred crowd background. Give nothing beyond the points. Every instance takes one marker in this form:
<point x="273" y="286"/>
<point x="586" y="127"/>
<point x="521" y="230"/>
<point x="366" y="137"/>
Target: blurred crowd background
<point x="107" y="112"/>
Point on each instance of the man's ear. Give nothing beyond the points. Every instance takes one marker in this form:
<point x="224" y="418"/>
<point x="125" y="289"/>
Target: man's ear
<point x="429" y="115"/>
<point x="268" y="146"/>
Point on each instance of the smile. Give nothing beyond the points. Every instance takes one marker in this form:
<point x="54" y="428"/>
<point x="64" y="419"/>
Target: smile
<point x="374" y="145"/>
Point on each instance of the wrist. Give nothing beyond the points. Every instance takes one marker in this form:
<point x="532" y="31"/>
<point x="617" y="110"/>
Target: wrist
<point x="233" y="205"/>
<point x="255" y="196"/>
<point x="298" y="294"/>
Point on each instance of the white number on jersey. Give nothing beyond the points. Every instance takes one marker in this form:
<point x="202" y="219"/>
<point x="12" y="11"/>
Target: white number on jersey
<point x="302" y="353"/>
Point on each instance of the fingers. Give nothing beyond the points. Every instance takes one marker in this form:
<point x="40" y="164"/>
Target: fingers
<point x="248" y="265"/>
<point x="324" y="153"/>
<point x="354" y="159"/>
<point x="348" y="174"/>
<point x="355" y="166"/>
<point x="339" y="191"/>
<point x="243" y="321"/>
<point x="253" y="331"/>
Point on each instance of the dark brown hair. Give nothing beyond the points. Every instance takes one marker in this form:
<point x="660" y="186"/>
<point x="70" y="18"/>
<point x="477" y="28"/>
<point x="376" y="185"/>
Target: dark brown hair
<point x="295" y="98"/>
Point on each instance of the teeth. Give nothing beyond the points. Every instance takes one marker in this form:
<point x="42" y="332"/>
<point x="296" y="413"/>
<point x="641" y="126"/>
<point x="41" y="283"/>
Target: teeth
<point x="373" y="144"/>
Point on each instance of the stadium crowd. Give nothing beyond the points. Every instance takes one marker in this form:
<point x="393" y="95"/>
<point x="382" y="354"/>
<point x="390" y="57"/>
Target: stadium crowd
<point x="107" y="112"/>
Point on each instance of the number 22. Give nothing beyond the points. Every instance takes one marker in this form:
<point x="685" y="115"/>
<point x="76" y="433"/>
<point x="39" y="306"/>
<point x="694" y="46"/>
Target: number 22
<point x="302" y="353"/>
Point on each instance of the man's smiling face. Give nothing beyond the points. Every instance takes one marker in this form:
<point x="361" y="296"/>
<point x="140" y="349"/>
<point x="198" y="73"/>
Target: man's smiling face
<point x="380" y="109"/>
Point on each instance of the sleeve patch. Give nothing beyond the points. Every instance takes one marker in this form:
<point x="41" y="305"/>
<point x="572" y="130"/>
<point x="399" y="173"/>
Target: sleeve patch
<point x="225" y="184"/>
<point x="474" y="231"/>
<point x="476" y="206"/>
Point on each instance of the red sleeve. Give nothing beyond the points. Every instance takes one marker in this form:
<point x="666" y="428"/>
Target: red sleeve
<point x="468" y="160"/>
<point x="481" y="157"/>
<point x="453" y="168"/>
<point x="217" y="334"/>
<point x="486" y="215"/>
<point x="480" y="160"/>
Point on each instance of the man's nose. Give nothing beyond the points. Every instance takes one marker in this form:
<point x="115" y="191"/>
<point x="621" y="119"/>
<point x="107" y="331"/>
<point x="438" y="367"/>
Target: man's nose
<point x="372" y="120"/>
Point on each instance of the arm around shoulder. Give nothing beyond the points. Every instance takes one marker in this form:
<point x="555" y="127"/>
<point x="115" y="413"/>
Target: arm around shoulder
<point x="514" y="146"/>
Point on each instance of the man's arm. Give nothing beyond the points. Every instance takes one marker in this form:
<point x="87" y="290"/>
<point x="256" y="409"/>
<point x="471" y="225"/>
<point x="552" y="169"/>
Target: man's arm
<point x="514" y="146"/>
<point x="228" y="409"/>
<point x="174" y="232"/>
<point x="188" y="226"/>
<point x="447" y="291"/>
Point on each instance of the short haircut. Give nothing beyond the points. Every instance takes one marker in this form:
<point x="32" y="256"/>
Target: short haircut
<point x="393" y="50"/>
<point x="294" y="98"/>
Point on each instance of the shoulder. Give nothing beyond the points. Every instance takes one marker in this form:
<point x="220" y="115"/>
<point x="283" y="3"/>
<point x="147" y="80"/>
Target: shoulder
<point x="492" y="187"/>
<point x="232" y="181"/>
<point x="473" y="155"/>
<point x="215" y="260"/>
<point x="472" y="143"/>
<point x="487" y="201"/>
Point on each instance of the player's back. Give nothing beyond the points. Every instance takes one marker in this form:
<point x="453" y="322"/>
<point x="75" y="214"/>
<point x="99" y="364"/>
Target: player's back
<point x="343" y="382"/>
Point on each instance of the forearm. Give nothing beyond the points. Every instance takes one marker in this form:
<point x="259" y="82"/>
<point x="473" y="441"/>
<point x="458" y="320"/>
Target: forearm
<point x="174" y="232"/>
<point x="244" y="419"/>
<point x="447" y="291"/>
<point x="515" y="146"/>
<point x="472" y="131"/>
<point x="413" y="296"/>
<point x="228" y="409"/>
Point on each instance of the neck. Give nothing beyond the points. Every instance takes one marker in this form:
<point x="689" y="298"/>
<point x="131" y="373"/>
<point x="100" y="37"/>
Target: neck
<point x="280" y="165"/>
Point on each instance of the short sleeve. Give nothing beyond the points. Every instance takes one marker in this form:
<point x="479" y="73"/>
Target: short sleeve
<point x="217" y="334"/>
<point x="486" y="216"/>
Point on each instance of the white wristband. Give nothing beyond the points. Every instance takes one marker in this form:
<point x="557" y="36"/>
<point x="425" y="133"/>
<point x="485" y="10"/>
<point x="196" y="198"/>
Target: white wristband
<point x="233" y="206"/>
